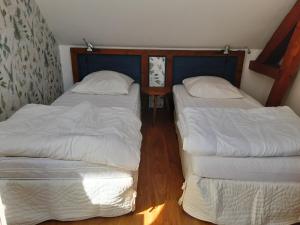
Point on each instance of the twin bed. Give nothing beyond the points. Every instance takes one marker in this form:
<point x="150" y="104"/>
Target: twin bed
<point x="237" y="189"/>
<point x="36" y="189"/>
<point x="218" y="189"/>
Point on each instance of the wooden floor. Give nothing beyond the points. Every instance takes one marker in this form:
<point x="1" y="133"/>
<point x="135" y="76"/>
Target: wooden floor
<point x="160" y="181"/>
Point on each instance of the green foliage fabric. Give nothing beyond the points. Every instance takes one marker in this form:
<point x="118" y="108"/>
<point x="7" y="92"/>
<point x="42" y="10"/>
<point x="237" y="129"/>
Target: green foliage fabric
<point x="30" y="70"/>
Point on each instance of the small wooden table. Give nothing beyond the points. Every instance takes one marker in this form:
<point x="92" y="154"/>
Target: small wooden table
<point x="157" y="92"/>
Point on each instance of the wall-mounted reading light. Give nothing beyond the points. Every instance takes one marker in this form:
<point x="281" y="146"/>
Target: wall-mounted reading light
<point x="227" y="50"/>
<point x="89" y="46"/>
<point x="248" y="50"/>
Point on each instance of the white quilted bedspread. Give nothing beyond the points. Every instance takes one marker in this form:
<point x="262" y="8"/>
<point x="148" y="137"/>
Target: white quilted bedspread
<point x="29" y="202"/>
<point x="227" y="202"/>
<point x="108" y="136"/>
<point x="261" y="132"/>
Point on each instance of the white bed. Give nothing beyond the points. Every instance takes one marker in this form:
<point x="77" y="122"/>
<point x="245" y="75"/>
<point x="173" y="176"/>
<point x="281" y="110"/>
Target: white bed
<point x="225" y="190"/>
<point x="38" y="189"/>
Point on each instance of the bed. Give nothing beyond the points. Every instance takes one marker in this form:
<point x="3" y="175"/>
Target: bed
<point x="232" y="190"/>
<point x="33" y="189"/>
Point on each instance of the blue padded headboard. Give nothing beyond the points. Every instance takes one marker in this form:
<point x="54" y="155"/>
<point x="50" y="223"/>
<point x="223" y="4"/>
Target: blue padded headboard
<point x="126" y="64"/>
<point x="189" y="66"/>
<point x="180" y="64"/>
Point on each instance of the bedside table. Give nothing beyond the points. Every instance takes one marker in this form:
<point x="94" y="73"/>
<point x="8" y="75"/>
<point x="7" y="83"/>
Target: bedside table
<point x="157" y="92"/>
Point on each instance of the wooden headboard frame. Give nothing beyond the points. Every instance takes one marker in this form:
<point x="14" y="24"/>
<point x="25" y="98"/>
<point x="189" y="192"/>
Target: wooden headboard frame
<point x="169" y="54"/>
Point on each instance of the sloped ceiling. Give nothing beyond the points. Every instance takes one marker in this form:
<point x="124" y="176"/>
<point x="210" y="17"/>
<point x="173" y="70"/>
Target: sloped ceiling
<point x="165" y="23"/>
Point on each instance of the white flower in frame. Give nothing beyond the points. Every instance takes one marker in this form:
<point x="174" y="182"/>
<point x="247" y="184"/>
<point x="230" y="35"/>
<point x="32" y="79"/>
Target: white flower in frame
<point x="157" y="71"/>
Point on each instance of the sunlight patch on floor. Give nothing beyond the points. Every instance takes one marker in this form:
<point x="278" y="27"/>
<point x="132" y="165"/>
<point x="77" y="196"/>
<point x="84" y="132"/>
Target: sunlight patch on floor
<point x="150" y="215"/>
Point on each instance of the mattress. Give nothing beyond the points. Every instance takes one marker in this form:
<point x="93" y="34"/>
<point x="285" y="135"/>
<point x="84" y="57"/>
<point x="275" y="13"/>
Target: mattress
<point x="22" y="168"/>
<point x="131" y="101"/>
<point x="271" y="169"/>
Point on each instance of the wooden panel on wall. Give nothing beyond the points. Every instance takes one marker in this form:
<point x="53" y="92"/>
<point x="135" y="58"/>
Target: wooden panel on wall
<point x="169" y="54"/>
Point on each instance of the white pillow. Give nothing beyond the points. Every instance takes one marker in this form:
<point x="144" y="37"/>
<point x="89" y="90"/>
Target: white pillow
<point x="104" y="83"/>
<point x="211" y="87"/>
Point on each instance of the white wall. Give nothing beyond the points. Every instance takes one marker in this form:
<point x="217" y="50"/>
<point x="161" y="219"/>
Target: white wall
<point x="167" y="23"/>
<point x="293" y="97"/>
<point x="254" y="84"/>
<point x="66" y="66"/>
<point x="259" y="86"/>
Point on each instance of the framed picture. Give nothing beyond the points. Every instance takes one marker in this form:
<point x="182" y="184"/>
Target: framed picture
<point x="157" y="71"/>
<point x="157" y="76"/>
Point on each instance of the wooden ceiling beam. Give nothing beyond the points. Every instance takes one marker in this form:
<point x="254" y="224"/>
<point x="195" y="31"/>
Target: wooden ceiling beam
<point x="281" y="33"/>
<point x="288" y="71"/>
<point x="280" y="59"/>
<point x="270" y="71"/>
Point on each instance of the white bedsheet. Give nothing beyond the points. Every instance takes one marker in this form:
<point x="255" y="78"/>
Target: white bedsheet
<point x="131" y="101"/>
<point x="269" y="169"/>
<point x="109" y="136"/>
<point x="262" y="132"/>
<point x="23" y="168"/>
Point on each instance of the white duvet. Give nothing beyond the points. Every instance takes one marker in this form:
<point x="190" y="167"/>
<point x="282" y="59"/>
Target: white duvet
<point x="109" y="136"/>
<point x="260" y="132"/>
